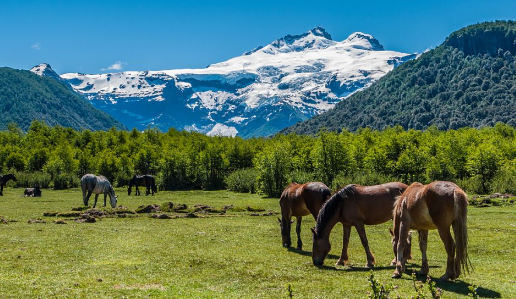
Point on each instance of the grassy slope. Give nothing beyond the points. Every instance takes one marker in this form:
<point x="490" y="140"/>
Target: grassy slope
<point x="218" y="257"/>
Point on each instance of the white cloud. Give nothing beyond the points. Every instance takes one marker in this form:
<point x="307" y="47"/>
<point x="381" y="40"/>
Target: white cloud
<point x="117" y="66"/>
<point x="36" y="46"/>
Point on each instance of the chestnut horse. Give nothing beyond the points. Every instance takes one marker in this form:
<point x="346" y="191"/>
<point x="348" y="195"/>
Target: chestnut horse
<point x="356" y="206"/>
<point x="298" y="200"/>
<point x="438" y="205"/>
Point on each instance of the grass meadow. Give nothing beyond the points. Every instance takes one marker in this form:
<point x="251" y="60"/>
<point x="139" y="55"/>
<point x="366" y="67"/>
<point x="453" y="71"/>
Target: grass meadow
<point x="234" y="255"/>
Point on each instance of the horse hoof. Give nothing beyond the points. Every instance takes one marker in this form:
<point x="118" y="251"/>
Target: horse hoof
<point x="341" y="263"/>
<point x="369" y="265"/>
<point x="396" y="275"/>
<point x="446" y="277"/>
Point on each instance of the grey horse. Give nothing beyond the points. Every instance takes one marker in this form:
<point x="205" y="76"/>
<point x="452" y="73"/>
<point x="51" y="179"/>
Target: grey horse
<point x="97" y="184"/>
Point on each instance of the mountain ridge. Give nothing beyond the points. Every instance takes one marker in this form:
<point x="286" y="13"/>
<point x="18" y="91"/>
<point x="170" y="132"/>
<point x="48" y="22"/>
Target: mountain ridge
<point x="469" y="80"/>
<point x="256" y="94"/>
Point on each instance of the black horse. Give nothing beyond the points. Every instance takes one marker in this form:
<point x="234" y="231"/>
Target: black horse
<point x="4" y="179"/>
<point x="146" y="181"/>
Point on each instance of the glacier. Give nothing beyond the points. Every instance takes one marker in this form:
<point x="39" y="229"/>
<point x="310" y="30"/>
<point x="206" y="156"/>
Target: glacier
<point x="255" y="94"/>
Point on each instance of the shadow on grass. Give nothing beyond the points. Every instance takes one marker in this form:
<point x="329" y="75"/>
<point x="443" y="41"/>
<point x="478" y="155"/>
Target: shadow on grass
<point x="458" y="287"/>
<point x="308" y="253"/>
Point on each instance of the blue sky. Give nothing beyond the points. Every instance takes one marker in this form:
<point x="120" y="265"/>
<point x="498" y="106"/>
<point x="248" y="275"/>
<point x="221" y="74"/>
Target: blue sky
<point x="108" y="36"/>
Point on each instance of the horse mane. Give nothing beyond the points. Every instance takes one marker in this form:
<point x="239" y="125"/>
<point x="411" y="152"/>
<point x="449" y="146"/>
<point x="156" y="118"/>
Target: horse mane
<point x="331" y="206"/>
<point x="397" y="206"/>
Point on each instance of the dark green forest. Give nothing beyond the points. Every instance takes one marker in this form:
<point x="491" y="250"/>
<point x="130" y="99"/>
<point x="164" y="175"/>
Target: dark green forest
<point x="468" y="81"/>
<point x="25" y="96"/>
<point x="479" y="160"/>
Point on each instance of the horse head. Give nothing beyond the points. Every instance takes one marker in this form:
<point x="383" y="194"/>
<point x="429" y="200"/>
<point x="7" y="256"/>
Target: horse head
<point x="112" y="197"/>
<point x="13" y="177"/>
<point x="320" y="249"/>
<point x="285" y="231"/>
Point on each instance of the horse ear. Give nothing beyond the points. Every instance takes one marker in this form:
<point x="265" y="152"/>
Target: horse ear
<point x="390" y="230"/>
<point x="313" y="231"/>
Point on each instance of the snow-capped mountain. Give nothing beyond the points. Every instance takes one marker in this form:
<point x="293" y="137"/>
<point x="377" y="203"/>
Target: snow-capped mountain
<point x="256" y="94"/>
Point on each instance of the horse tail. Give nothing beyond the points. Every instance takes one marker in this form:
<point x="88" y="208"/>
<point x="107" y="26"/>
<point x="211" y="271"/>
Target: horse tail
<point x="460" y="230"/>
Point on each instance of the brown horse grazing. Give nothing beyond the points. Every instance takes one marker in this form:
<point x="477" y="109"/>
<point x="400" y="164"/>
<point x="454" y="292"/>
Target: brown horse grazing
<point x="298" y="200"/>
<point x="353" y="206"/>
<point x="4" y="179"/>
<point x="438" y="205"/>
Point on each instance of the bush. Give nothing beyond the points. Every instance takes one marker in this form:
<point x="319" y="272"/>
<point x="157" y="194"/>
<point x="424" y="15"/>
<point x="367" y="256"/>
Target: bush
<point x="29" y="179"/>
<point x="301" y="177"/>
<point x="472" y="185"/>
<point x="243" y="180"/>
<point x="65" y="181"/>
<point x="361" y="178"/>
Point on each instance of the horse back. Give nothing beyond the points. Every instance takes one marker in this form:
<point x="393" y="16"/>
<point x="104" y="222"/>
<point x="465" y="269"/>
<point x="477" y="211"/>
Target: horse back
<point x="429" y="206"/>
<point x="314" y="194"/>
<point x="291" y="201"/>
<point x="373" y="204"/>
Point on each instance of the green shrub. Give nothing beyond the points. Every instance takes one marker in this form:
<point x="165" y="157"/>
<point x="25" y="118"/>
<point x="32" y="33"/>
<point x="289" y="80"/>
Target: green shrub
<point x="65" y="181"/>
<point x="361" y="178"/>
<point x="301" y="177"/>
<point x="29" y="179"/>
<point x="243" y="180"/>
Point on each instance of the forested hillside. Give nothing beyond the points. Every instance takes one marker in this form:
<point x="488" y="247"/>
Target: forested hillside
<point x="468" y="81"/>
<point x="25" y="96"/>
<point x="480" y="161"/>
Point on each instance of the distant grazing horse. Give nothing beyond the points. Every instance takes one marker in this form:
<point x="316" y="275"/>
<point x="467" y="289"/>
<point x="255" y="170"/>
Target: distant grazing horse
<point x="298" y="200"/>
<point x="146" y="181"/>
<point x="4" y="179"/>
<point x="97" y="184"/>
<point x="438" y="205"/>
<point x="356" y="206"/>
<point x="33" y="192"/>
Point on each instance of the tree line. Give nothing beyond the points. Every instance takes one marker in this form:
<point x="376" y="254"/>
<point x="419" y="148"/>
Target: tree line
<point x="479" y="160"/>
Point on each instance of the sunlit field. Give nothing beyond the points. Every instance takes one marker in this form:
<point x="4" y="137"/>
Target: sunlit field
<point x="236" y="254"/>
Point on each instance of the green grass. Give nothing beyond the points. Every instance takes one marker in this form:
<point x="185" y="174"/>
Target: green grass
<point x="218" y="256"/>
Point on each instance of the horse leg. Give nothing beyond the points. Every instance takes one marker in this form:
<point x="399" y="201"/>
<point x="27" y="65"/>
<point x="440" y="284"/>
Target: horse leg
<point x="147" y="191"/>
<point x="449" y="245"/>
<point x="343" y="260"/>
<point x="137" y="190"/>
<point x="86" y="198"/>
<point x="105" y="195"/>
<point x="96" y="197"/>
<point x="363" y="238"/>
<point x="400" y="248"/>
<point x="1" y="190"/>
<point x="298" y="232"/>
<point x="423" y="242"/>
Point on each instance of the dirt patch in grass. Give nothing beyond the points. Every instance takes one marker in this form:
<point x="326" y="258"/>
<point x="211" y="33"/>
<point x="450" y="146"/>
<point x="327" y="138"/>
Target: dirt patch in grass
<point x="69" y="214"/>
<point x="59" y="222"/>
<point x="81" y="208"/>
<point x="495" y="199"/>
<point x="148" y="208"/>
<point x="254" y="209"/>
<point x="38" y="220"/>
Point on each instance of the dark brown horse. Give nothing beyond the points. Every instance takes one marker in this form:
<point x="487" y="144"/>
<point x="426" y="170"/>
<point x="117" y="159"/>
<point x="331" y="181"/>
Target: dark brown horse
<point x="4" y="179"/>
<point x="356" y="206"/>
<point x="438" y="205"/>
<point x="298" y="200"/>
<point x="146" y="181"/>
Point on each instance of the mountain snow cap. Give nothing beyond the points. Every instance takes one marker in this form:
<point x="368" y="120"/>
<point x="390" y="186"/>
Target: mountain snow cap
<point x="44" y="70"/>
<point x="364" y="41"/>
<point x="316" y="38"/>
